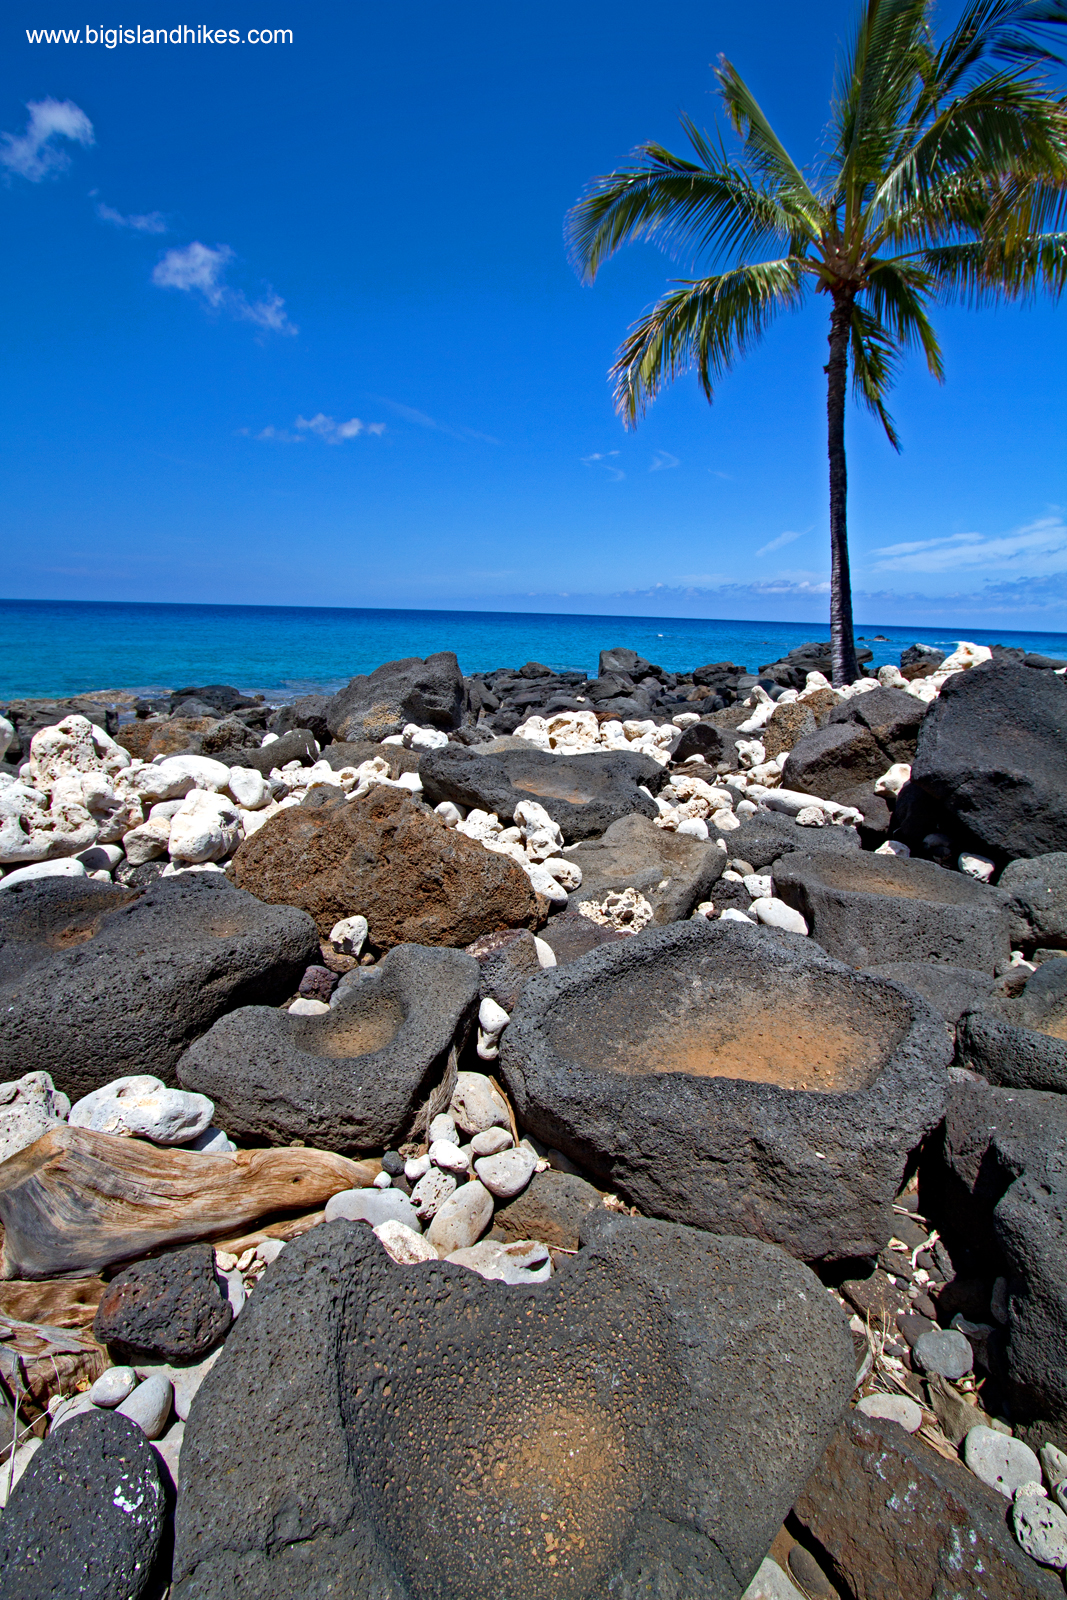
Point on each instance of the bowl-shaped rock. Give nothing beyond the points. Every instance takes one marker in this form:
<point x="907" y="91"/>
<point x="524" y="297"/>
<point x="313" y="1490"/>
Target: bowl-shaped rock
<point x="636" y="1426"/>
<point x="732" y="1078"/>
<point x="350" y="1079"/>
<point x="868" y="909"/>
<point x="1021" y="1044"/>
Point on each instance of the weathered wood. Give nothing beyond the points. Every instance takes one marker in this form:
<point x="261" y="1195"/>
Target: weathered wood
<point x="77" y="1201"/>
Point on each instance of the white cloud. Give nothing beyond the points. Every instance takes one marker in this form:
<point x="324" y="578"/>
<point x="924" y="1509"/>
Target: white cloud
<point x="603" y="459"/>
<point x="35" y="153"/>
<point x="1040" y="545"/>
<point x="782" y="539"/>
<point x="421" y="420"/>
<point x="323" y="427"/>
<point x="149" y="222"/>
<point x="663" y="461"/>
<point x="196" y="268"/>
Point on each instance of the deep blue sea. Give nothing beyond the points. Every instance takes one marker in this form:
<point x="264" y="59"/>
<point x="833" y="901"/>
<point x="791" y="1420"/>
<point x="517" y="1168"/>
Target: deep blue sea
<point x="64" y="647"/>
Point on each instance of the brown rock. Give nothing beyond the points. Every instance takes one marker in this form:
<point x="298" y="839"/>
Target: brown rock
<point x="415" y="880"/>
<point x="875" y="1297"/>
<point x="898" y="1520"/>
<point x="820" y="704"/>
<point x="167" y="736"/>
<point x="551" y="1209"/>
<point x="76" y="1201"/>
<point x="788" y="723"/>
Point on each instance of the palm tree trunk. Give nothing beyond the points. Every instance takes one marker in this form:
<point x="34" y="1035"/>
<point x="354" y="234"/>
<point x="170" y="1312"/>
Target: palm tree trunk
<point x="844" y="666"/>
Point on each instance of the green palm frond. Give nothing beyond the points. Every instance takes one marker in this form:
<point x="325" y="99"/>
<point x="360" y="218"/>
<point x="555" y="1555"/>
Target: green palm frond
<point x="706" y="325"/>
<point x="975" y="275"/>
<point x="875" y="365"/>
<point x="764" y="151"/>
<point x="896" y="295"/>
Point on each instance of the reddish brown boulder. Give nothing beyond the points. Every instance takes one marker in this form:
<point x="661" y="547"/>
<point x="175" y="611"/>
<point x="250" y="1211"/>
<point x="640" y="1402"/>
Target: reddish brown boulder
<point x="416" y="880"/>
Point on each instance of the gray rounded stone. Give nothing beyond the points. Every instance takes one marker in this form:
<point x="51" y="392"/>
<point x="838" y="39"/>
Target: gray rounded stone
<point x="1004" y="1463"/>
<point x="1040" y="1527"/>
<point x="112" y="1387"/>
<point x="150" y="1405"/>
<point x="733" y="1078"/>
<point x="374" y="1206"/>
<point x="946" y="1352"/>
<point x="351" y="1079"/>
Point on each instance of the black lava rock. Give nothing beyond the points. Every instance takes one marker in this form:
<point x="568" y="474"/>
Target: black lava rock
<point x="673" y="871"/>
<point x="1022" y="1043"/>
<point x="307" y="711"/>
<point x="296" y="745"/>
<point x="508" y="960"/>
<point x="172" y="1306"/>
<point x="431" y="693"/>
<point x="732" y="1078"/>
<point x="582" y="794"/>
<point x="88" y="1517"/>
<point x="950" y="990"/>
<point x="638" y="1425"/>
<point x="349" y="1080"/>
<point x="1038" y="890"/>
<point x="992" y="752"/>
<point x="98" y="985"/>
<point x="699" y="739"/>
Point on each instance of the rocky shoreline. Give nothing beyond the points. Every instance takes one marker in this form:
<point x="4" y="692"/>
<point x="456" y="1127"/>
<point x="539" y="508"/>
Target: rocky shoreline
<point x="532" y="1135"/>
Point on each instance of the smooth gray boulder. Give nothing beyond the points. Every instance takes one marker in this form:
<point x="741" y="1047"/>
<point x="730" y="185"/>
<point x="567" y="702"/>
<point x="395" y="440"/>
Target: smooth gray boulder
<point x="637" y="1425"/>
<point x="1038" y="890"/>
<point x="1021" y="1043"/>
<point x="373" y="706"/>
<point x="732" y="1078"/>
<point x="671" y="870"/>
<point x="583" y="795"/>
<point x="88" y="1518"/>
<point x="95" y="987"/>
<point x="868" y="909"/>
<point x="351" y="1079"/>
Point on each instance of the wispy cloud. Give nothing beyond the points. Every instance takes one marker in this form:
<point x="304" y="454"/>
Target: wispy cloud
<point x="782" y="540"/>
<point x="36" y="152"/>
<point x="1040" y="545"/>
<point x="421" y="420"/>
<point x="604" y="459"/>
<point x="663" y="461"/>
<point x="197" y="269"/>
<point x="148" y="222"/>
<point x="321" y="427"/>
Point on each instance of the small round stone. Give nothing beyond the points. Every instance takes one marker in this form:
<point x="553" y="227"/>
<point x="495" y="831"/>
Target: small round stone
<point x="491" y="1142"/>
<point x="443" y="1127"/>
<point x="946" y="1352"/>
<point x="393" y="1163"/>
<point x="383" y="1181"/>
<point x="112" y="1386"/>
<point x="150" y="1405"/>
<point x="1005" y="1464"/>
<point x="1040" y="1527"/>
<point x="447" y="1155"/>
<point x="893" y="1408"/>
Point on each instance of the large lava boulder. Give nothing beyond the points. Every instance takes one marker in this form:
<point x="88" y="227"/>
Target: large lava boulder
<point x="764" y="837"/>
<point x="415" y="879"/>
<point x="673" y="871"/>
<point x="1021" y="1043"/>
<point x="583" y="795"/>
<point x="373" y="706"/>
<point x="862" y="738"/>
<point x="734" y="1079"/>
<point x="992" y="751"/>
<point x="296" y="744"/>
<point x="350" y="1079"/>
<point x="88" y="1518"/>
<point x="97" y="983"/>
<point x="950" y="990"/>
<point x="173" y="1306"/>
<point x="637" y="1425"/>
<point x="867" y="909"/>
<point x="1038" y="890"/>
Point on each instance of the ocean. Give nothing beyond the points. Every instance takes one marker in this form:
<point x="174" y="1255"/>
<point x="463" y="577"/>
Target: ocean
<point x="67" y="647"/>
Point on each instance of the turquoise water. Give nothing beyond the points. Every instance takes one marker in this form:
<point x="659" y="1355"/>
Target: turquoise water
<point x="64" y="647"/>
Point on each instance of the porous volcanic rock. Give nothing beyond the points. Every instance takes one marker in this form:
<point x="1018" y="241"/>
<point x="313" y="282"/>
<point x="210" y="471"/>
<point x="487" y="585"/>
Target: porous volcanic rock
<point x="551" y="1208"/>
<point x="950" y="990"/>
<point x="353" y="753"/>
<point x="898" y="1520"/>
<point x="1038" y="890"/>
<point x="834" y="760"/>
<point x="173" y="1306"/>
<point x="867" y="909"/>
<point x="1021" y="1044"/>
<point x="414" y="879"/>
<point x="786" y="727"/>
<point x="583" y="795"/>
<point x="733" y="1078"/>
<point x="673" y="871"/>
<point x="639" y="1424"/>
<point x="762" y="838"/>
<point x="306" y="711"/>
<point x="348" y="1079"/>
<point x="508" y="960"/>
<point x="992" y="751"/>
<point x="298" y="744"/>
<point x="88" y="1517"/>
<point x="373" y="706"/>
<point x="892" y="716"/>
<point x="99" y="985"/>
<point x="700" y="739"/>
<point x="570" y="936"/>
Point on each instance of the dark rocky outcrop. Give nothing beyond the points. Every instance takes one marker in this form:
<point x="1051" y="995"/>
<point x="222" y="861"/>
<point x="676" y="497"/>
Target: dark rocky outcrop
<point x="583" y="794"/>
<point x="665" y="1371"/>
<point x="862" y="738"/>
<point x="763" y="838"/>
<point x="349" y="1080"/>
<point x="308" y="711"/>
<point x="508" y="960"/>
<point x="431" y="693"/>
<point x="570" y="936"/>
<point x="950" y="990"/>
<point x="897" y="1520"/>
<point x="98" y="982"/>
<point x="173" y="1307"/>
<point x="1038" y="890"/>
<point x="673" y="871"/>
<point x="992" y="752"/>
<point x="416" y="880"/>
<point x="732" y="1078"/>
<point x="1021" y="1043"/>
<point x="868" y="909"/>
<point x="792" y="670"/>
<point x="298" y="744"/>
<point x="89" y="1516"/>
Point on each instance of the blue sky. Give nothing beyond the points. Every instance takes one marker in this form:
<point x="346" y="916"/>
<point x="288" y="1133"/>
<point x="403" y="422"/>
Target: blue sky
<point x="293" y="323"/>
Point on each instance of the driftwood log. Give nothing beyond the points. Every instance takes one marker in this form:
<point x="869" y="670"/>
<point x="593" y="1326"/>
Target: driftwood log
<point x="77" y="1201"/>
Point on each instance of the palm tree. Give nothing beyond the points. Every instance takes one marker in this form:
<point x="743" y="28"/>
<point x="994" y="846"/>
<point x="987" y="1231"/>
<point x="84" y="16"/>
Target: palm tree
<point x="944" y="166"/>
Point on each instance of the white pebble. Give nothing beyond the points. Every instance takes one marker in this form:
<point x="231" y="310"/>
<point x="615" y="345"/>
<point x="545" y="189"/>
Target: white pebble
<point x="545" y="953"/>
<point x="776" y="914"/>
<point x="113" y="1386"/>
<point x="893" y="1408"/>
<point x="150" y="1405"/>
<point x="1040" y="1527"/>
<point x="979" y="867"/>
<point x="448" y="1156"/>
<point x="491" y="1142"/>
<point x="405" y="1247"/>
<point x="308" y="1008"/>
<point x="383" y="1181"/>
<point x="417" y="1168"/>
